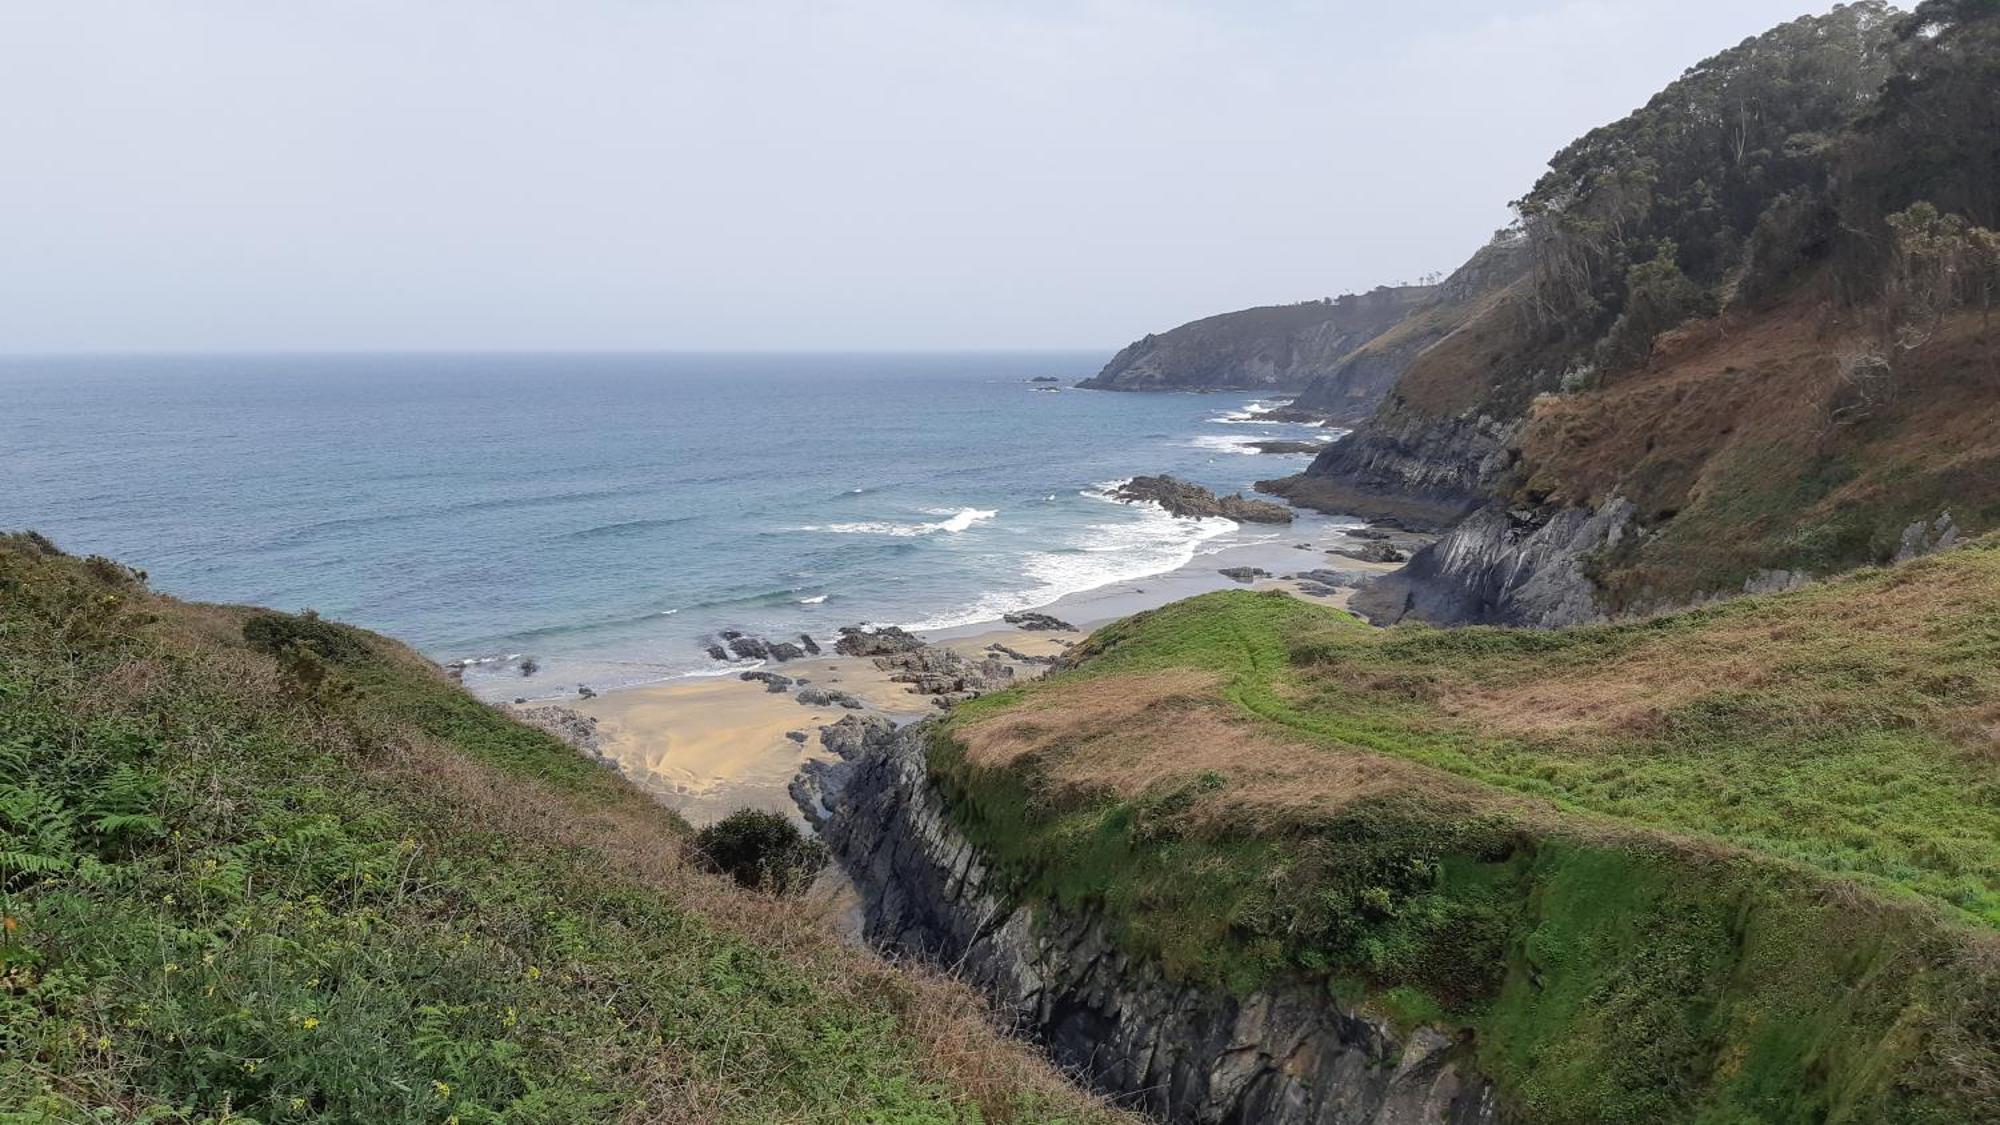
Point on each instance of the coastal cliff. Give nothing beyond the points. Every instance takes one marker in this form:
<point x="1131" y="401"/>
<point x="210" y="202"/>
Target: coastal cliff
<point x="1243" y="859"/>
<point x="1349" y="393"/>
<point x="1278" y="348"/>
<point x="1775" y="362"/>
<point x="1282" y="1055"/>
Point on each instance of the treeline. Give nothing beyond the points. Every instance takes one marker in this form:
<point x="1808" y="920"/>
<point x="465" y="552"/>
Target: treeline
<point x="1858" y="150"/>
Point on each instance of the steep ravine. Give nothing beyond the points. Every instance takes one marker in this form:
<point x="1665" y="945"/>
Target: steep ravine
<point x="1289" y="1055"/>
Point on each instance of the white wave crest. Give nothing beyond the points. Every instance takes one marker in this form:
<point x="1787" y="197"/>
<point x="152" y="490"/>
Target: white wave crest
<point x="813" y="600"/>
<point x="1249" y="414"/>
<point x="1219" y="444"/>
<point x="959" y="520"/>
<point x="1104" y="554"/>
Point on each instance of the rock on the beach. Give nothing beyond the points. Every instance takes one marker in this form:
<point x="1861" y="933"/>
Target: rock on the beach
<point x="773" y="682"/>
<point x="1337" y="578"/>
<point x="1038" y="621"/>
<point x="1374" y="552"/>
<point x="828" y="697"/>
<point x="941" y="672"/>
<point x="1244" y="573"/>
<point x="1017" y="655"/>
<point x="858" y="641"/>
<point x="782" y="651"/>
<point x="1192" y="501"/>
<point x="717" y="652"/>
<point x="811" y="646"/>
<point x="748" y="648"/>
<point x="797" y="736"/>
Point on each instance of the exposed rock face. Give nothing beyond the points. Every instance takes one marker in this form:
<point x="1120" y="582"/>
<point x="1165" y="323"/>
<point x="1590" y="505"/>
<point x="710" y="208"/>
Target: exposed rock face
<point x="1244" y="573"/>
<point x="820" y="782"/>
<point x="1501" y="567"/>
<point x="1285" y="1055"/>
<point x="1275" y="347"/>
<point x="1192" y="501"/>
<point x="1420" y="471"/>
<point x="1926" y="537"/>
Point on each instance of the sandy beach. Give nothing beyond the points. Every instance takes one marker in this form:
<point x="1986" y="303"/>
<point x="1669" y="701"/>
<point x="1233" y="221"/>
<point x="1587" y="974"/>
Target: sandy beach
<point x="711" y="746"/>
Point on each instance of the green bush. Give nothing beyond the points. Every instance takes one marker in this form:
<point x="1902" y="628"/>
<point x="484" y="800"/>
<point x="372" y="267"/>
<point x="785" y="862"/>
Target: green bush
<point x="273" y="633"/>
<point x="762" y="850"/>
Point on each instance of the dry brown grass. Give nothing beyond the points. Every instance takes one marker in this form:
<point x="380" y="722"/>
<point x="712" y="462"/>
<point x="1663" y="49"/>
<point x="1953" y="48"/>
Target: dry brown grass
<point x="1123" y="736"/>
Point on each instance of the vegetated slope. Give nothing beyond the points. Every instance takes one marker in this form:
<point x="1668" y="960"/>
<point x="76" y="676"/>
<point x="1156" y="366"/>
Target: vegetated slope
<point x="1739" y="864"/>
<point x="265" y="867"/>
<point x="1271" y="348"/>
<point x="1351" y="391"/>
<point x="1799" y="228"/>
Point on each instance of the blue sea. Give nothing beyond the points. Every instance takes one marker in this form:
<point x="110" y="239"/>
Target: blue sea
<point x="603" y="514"/>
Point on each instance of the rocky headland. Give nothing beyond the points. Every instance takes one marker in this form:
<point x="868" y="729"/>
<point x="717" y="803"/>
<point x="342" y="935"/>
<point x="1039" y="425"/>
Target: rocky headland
<point x="1272" y="348"/>
<point x="1192" y="501"/>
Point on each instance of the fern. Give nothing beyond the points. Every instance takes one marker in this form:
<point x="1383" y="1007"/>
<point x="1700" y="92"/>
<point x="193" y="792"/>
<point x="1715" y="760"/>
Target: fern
<point x="120" y="806"/>
<point x="37" y="836"/>
<point x="14" y="757"/>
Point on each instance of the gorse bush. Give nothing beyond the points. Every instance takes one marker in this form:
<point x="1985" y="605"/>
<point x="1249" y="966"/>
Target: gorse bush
<point x="762" y="850"/>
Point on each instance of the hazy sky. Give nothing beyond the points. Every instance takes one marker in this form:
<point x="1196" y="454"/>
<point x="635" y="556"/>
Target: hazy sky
<point x="842" y="174"/>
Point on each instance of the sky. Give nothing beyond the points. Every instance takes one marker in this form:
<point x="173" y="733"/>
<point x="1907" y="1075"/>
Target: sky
<point x="502" y="175"/>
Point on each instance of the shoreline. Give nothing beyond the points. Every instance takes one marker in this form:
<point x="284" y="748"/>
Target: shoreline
<point x="709" y="746"/>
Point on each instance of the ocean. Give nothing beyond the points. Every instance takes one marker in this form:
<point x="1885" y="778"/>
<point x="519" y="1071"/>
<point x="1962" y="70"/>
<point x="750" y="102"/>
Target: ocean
<point x="603" y="514"/>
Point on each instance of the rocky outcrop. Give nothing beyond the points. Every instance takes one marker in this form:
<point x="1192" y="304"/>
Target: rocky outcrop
<point x="1271" y="348"/>
<point x="944" y="674"/>
<point x="1285" y="447"/>
<point x="820" y="781"/>
<point x="743" y="647"/>
<point x="1503" y="567"/>
<point x="1035" y="622"/>
<point x="857" y="640"/>
<point x="1244" y="573"/>
<point x="1420" y="471"/>
<point x="1288" y="1054"/>
<point x="1192" y="501"/>
<point x="573" y="727"/>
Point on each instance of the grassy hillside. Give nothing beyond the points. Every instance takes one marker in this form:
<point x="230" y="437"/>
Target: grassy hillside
<point x="1739" y="864"/>
<point x="261" y="867"/>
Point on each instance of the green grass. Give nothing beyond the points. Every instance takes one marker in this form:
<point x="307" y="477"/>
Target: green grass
<point x="1761" y="883"/>
<point x="345" y="891"/>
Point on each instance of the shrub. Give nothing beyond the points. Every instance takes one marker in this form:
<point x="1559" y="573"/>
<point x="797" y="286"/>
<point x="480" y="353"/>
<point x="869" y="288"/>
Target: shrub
<point x="273" y="633"/>
<point x="762" y="850"/>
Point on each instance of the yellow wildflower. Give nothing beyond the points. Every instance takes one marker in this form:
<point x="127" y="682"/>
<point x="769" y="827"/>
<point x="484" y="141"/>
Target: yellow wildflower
<point x="309" y="1022"/>
<point x="443" y="1088"/>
